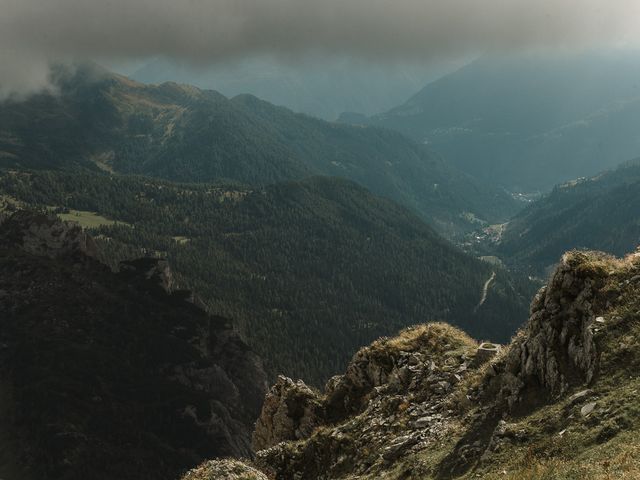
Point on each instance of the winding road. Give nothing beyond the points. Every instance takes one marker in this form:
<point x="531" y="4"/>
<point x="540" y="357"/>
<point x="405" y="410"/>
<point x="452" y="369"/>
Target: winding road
<point x="485" y="291"/>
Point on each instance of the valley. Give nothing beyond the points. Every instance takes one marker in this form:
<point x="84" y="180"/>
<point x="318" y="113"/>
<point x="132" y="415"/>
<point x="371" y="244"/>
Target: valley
<point x="530" y="121"/>
<point x="197" y="285"/>
<point x="309" y="271"/>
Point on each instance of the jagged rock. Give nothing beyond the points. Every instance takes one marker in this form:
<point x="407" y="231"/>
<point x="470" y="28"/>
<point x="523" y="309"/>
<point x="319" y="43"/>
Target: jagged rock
<point x="348" y="393"/>
<point x="394" y="365"/>
<point x="405" y="396"/>
<point x="557" y="349"/>
<point x="393" y="397"/>
<point x="291" y="411"/>
<point x="224" y="470"/>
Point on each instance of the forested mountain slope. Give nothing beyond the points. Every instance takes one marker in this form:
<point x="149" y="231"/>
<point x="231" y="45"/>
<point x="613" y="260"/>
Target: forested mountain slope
<point x="100" y="121"/>
<point x="309" y="270"/>
<point x="602" y="212"/>
<point x="532" y="121"/>
<point x="111" y="376"/>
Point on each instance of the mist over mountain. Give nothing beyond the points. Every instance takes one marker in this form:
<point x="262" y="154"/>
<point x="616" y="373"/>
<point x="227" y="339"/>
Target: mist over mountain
<point x="321" y="87"/>
<point x="105" y="122"/>
<point x="528" y="122"/>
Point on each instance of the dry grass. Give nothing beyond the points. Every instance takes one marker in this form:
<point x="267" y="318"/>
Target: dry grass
<point x="619" y="460"/>
<point x="436" y="338"/>
<point x="592" y="264"/>
<point x="88" y="219"/>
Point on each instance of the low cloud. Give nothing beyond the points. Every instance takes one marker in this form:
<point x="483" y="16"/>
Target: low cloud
<point x="35" y="32"/>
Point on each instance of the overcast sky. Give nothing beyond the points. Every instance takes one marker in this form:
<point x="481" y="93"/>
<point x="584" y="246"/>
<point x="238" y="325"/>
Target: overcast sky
<point x="36" y="32"/>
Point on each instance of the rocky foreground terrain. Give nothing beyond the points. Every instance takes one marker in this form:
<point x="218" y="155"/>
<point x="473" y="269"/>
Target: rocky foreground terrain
<point x="561" y="401"/>
<point x="109" y="375"/>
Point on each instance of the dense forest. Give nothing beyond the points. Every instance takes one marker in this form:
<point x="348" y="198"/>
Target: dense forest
<point x="100" y="121"/>
<point x="308" y="270"/>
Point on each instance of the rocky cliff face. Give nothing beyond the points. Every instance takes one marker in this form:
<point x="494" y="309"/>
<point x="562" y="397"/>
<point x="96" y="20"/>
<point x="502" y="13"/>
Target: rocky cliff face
<point x="111" y="375"/>
<point x="291" y="411"/>
<point x="431" y="403"/>
<point x="394" y="398"/>
<point x="557" y="348"/>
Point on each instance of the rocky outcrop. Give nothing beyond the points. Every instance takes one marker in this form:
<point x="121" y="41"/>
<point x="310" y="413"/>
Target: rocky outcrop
<point x="403" y="364"/>
<point x="224" y="470"/>
<point x="556" y="349"/>
<point x="554" y="352"/>
<point x="113" y="375"/>
<point x="403" y="399"/>
<point x="393" y="399"/>
<point x="291" y="411"/>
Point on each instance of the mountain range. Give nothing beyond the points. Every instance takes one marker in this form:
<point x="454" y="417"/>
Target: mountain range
<point x="321" y="87"/>
<point x="100" y="121"/>
<point x="165" y="251"/>
<point x="529" y="122"/>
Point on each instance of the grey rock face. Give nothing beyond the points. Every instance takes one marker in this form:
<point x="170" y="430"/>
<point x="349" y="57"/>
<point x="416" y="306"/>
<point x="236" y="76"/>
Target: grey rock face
<point x="554" y="352"/>
<point x="557" y="349"/>
<point x="291" y="411"/>
<point x="396" y="397"/>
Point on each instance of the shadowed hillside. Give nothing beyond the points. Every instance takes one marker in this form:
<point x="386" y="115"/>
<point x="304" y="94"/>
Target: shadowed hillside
<point x="111" y="376"/>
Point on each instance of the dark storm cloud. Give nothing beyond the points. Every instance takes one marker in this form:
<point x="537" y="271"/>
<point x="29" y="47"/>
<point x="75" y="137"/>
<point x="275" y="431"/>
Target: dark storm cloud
<point x="33" y="32"/>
